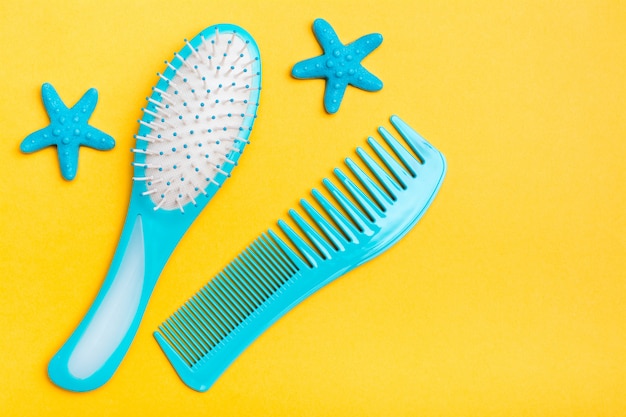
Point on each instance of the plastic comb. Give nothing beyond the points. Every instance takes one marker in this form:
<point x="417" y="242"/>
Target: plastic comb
<point x="274" y="274"/>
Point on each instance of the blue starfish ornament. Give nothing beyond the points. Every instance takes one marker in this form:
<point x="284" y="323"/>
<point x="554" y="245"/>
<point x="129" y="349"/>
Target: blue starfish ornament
<point x="340" y="64"/>
<point x="68" y="130"/>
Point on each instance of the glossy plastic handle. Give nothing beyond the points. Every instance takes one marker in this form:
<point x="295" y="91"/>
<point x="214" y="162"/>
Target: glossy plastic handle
<point x="96" y="348"/>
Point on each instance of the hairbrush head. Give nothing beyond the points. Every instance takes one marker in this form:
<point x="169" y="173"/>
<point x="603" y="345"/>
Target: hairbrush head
<point x="198" y="118"/>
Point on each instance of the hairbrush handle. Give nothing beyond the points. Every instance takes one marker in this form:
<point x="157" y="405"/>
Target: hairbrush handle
<point x="96" y="348"/>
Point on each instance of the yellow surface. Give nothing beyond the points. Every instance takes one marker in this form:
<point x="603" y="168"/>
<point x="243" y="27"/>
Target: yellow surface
<point x="507" y="299"/>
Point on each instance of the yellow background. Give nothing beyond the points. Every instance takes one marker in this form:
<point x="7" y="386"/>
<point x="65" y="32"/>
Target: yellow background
<point x="507" y="299"/>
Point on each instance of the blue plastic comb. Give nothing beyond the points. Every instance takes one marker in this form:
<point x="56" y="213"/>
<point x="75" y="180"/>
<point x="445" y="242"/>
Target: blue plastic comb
<point x="193" y="131"/>
<point x="269" y="278"/>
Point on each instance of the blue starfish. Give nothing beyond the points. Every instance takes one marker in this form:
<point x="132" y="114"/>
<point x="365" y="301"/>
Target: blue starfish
<point x="340" y="64"/>
<point x="68" y="130"/>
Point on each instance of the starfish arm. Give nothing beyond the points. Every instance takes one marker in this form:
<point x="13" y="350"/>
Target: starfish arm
<point x="37" y="140"/>
<point x="365" y="80"/>
<point x="365" y="45"/>
<point x="310" y="68"/>
<point x="339" y="65"/>
<point x="52" y="102"/>
<point x="68" y="160"/>
<point x="68" y="130"/>
<point x="333" y="95"/>
<point x="86" y="105"/>
<point x="97" y="139"/>
<point x="325" y="35"/>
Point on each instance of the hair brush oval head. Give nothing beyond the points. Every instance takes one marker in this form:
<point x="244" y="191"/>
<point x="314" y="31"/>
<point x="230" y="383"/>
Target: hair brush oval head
<point x="194" y="128"/>
<point x="198" y="118"/>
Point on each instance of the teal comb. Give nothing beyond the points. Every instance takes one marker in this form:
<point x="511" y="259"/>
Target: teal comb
<point x="269" y="278"/>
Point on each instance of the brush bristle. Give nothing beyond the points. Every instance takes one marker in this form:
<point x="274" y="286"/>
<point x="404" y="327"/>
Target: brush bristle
<point x="198" y="119"/>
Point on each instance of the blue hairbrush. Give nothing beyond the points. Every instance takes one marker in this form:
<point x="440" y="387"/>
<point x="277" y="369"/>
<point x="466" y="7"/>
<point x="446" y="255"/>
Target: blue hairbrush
<point x="269" y="277"/>
<point x="192" y="133"/>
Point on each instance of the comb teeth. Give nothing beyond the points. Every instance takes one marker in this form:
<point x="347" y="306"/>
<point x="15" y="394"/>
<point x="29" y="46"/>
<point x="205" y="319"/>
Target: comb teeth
<point x="274" y="274"/>
<point x="235" y="294"/>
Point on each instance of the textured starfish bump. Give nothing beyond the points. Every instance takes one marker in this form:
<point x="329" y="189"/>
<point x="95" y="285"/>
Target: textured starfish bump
<point x="68" y="130"/>
<point x="340" y="64"/>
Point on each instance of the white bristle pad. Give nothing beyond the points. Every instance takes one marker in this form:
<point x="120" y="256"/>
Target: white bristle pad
<point x="199" y="117"/>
